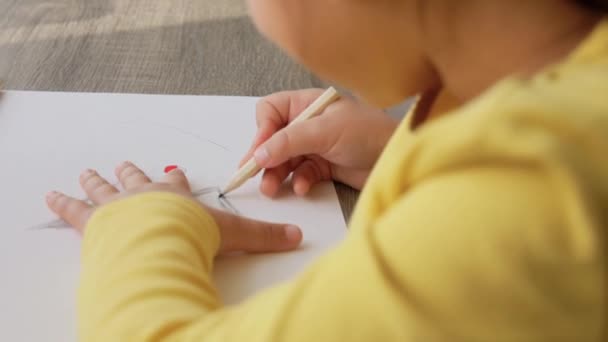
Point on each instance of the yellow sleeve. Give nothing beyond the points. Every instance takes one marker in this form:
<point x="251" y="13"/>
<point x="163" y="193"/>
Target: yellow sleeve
<point x="476" y="255"/>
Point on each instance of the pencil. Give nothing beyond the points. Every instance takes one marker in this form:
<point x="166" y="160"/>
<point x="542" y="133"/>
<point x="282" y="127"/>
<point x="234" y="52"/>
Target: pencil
<point x="250" y="168"/>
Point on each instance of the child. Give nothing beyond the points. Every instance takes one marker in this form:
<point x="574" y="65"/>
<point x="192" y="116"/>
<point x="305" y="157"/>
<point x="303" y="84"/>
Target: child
<point x="483" y="219"/>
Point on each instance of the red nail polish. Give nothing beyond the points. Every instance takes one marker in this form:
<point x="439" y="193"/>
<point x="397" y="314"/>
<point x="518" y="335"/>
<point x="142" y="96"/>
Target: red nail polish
<point x="170" y="168"/>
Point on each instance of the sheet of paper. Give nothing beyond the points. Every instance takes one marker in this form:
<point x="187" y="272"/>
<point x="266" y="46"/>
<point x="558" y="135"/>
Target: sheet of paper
<point x="47" y="139"/>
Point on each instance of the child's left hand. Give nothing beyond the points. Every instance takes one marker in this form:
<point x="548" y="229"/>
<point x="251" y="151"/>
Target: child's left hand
<point x="237" y="233"/>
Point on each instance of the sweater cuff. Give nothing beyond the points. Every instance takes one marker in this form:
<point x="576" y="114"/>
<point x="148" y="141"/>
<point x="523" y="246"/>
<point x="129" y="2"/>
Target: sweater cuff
<point x="131" y="218"/>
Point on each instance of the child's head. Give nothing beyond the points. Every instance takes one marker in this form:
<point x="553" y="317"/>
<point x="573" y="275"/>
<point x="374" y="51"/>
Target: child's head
<point x="358" y="44"/>
<point x="385" y="50"/>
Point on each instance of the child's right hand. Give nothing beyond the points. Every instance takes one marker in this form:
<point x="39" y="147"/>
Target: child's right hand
<point x="343" y="143"/>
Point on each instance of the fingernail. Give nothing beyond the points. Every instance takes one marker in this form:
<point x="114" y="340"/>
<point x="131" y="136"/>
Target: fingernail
<point x="121" y="166"/>
<point x="300" y="188"/>
<point x="293" y="233"/>
<point x="51" y="195"/>
<point x="170" y="168"/>
<point x="261" y="156"/>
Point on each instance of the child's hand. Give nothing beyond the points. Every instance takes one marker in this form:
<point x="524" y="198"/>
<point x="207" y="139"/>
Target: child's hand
<point x="237" y="233"/>
<point x="343" y="143"/>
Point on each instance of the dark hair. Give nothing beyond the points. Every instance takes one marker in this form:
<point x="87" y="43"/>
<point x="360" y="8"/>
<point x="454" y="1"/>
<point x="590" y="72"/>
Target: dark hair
<point x="595" y="5"/>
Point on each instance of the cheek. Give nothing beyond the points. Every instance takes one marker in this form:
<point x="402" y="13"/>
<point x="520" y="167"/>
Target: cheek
<point x="257" y="9"/>
<point x="353" y="48"/>
<point x="268" y="17"/>
<point x="287" y="24"/>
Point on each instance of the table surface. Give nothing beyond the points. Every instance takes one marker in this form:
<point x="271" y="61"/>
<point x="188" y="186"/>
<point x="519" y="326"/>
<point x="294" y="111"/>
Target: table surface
<point x="199" y="47"/>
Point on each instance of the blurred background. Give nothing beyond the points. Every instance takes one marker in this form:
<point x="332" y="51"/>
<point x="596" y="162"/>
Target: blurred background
<point x="142" y="46"/>
<point x="195" y="47"/>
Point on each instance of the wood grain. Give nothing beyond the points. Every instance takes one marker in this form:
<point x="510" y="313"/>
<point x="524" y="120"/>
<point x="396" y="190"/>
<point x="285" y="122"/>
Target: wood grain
<point x="144" y="46"/>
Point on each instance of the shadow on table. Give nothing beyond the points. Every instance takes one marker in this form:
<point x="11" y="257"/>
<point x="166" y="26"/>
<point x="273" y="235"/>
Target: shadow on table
<point x="224" y="56"/>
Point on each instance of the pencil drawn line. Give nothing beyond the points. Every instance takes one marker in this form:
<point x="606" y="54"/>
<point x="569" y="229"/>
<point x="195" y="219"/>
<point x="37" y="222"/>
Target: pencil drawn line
<point x="59" y="223"/>
<point x="227" y="205"/>
<point x="204" y="191"/>
<point x="53" y="224"/>
<point x="181" y="130"/>
<point x="222" y="201"/>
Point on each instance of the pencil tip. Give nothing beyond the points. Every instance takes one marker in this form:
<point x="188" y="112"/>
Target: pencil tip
<point x="221" y="195"/>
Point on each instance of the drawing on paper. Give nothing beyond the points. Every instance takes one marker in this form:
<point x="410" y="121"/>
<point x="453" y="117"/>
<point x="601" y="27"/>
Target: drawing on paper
<point x="176" y="129"/>
<point x="222" y="201"/>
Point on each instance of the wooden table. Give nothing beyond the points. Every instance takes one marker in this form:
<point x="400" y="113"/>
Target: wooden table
<point x="144" y="46"/>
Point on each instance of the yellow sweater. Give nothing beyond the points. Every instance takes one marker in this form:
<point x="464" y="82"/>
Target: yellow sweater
<point x="486" y="224"/>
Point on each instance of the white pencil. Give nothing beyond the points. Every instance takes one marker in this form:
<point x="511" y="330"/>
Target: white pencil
<point x="251" y="168"/>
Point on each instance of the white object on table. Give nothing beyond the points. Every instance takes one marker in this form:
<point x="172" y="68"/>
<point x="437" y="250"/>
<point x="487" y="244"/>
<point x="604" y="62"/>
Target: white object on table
<point x="48" y="138"/>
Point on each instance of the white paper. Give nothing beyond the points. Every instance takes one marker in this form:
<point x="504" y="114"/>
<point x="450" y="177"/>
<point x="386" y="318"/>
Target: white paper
<point x="47" y="139"/>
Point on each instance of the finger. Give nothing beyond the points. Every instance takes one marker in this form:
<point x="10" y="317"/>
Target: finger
<point x="246" y="235"/>
<point x="275" y="111"/>
<point x="98" y="190"/>
<point x="296" y="140"/>
<point x="282" y="107"/>
<point x="73" y="211"/>
<point x="263" y="134"/>
<point x="130" y="176"/>
<point x="178" y="178"/>
<point x="308" y="174"/>
<point x="274" y="178"/>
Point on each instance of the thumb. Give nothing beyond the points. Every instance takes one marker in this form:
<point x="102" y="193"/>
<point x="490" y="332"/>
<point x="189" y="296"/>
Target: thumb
<point x="296" y="140"/>
<point x="259" y="237"/>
